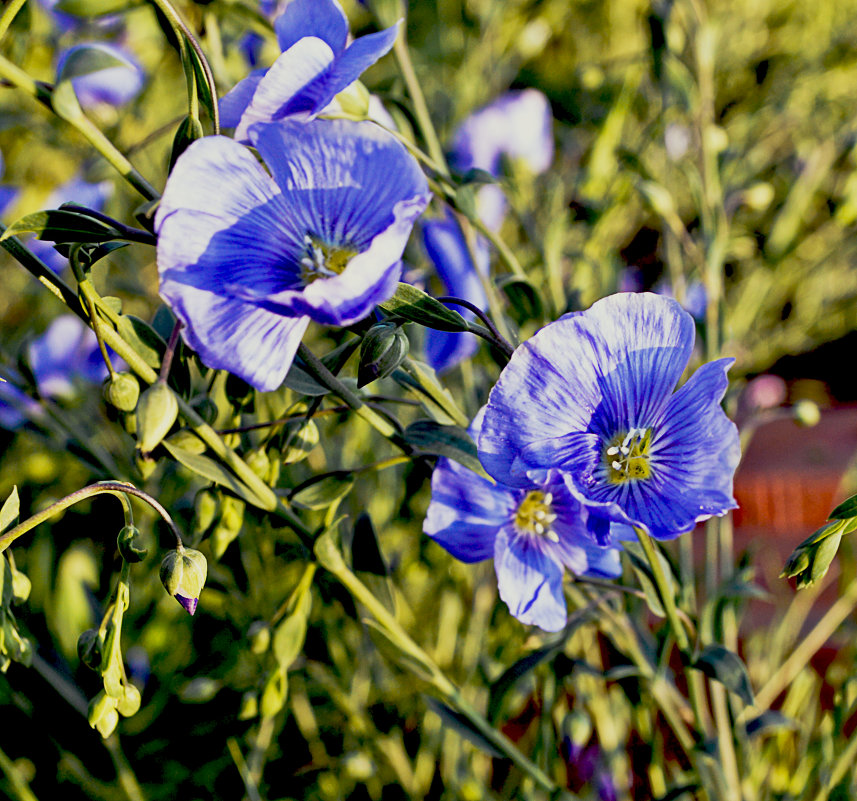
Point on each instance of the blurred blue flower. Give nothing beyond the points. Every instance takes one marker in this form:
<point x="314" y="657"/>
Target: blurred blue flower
<point x="316" y="64"/>
<point x="248" y="258"/>
<point x="695" y="297"/>
<point x="533" y="532"/>
<point x="444" y="243"/>
<point x="77" y="190"/>
<point x="251" y="43"/>
<point x="592" y="395"/>
<point x="112" y="86"/>
<point x="7" y="193"/>
<point x="517" y="127"/>
<point x="63" y="356"/>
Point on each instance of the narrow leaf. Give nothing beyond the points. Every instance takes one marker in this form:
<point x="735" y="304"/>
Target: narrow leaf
<point x="10" y="510"/>
<point x="62" y="225"/>
<point x="450" y="441"/>
<point x="728" y="668"/>
<point x="415" y="305"/>
<point x="323" y="493"/>
<point x="462" y="725"/>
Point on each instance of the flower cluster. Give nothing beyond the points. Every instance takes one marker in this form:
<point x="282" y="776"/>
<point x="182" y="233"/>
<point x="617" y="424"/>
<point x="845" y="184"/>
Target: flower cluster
<point x="583" y="429"/>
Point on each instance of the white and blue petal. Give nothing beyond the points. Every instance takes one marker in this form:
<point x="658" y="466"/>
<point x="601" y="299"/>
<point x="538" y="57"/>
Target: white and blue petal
<point x="529" y="581"/>
<point x="323" y="19"/>
<point x="609" y="368"/>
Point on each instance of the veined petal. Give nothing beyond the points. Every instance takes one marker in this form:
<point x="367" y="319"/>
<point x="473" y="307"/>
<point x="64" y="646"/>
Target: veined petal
<point x="529" y="581"/>
<point x="220" y="205"/>
<point x="323" y="19"/>
<point x="252" y="343"/>
<point x="289" y="75"/>
<point x="466" y="511"/>
<point x="611" y="367"/>
<point x="234" y="103"/>
<point x="339" y="173"/>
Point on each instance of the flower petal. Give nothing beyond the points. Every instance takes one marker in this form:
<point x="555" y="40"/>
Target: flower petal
<point x="234" y="103"/>
<point x="610" y="368"/>
<point x="466" y="511"/>
<point x="529" y="581"/>
<point x="323" y="19"/>
<point x="287" y="78"/>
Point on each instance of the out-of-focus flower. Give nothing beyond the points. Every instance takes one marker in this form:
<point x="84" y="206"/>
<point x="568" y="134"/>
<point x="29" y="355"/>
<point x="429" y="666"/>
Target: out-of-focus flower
<point x="113" y="85"/>
<point x="533" y="532"/>
<point x="77" y="190"/>
<point x="592" y="396"/>
<point x="444" y="243"/>
<point x="248" y="258"/>
<point x="517" y="127"/>
<point x="7" y="193"/>
<point x="66" y="354"/>
<point x="316" y="64"/>
<point x="695" y="300"/>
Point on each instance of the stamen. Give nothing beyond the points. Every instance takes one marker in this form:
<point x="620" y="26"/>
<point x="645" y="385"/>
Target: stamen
<point x="627" y="456"/>
<point x="535" y="516"/>
<point x="552" y="535"/>
<point x="612" y="450"/>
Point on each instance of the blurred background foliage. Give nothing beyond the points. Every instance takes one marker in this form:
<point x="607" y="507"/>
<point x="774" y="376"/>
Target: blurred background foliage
<point x="647" y="186"/>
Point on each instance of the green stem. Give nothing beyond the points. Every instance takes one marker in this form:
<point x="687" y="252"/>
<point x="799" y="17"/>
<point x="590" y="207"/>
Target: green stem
<point x="406" y="66"/>
<point x="85" y="287"/>
<point x="331" y="559"/>
<point x="664" y="590"/>
<point x="42" y="93"/>
<point x="844" y="763"/>
<point x="17" y="783"/>
<point x="111" y="487"/>
<point x="9" y="13"/>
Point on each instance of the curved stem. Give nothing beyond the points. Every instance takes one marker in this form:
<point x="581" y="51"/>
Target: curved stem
<point x="495" y="337"/>
<point x="111" y="487"/>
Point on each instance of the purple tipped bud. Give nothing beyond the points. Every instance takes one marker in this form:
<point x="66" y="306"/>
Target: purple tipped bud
<point x="188" y="604"/>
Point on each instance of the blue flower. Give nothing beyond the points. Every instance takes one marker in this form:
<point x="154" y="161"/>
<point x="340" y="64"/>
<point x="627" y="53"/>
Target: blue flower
<point x="66" y="353"/>
<point x="592" y="396"/>
<point x="517" y="127"/>
<point x="316" y="64"/>
<point x="7" y="193"/>
<point x="444" y="243"/>
<point x="112" y="86"/>
<point x="533" y="532"/>
<point x="248" y="258"/>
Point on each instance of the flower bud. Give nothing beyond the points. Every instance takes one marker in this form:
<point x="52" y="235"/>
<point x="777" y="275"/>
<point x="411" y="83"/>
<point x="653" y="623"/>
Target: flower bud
<point x="183" y="573"/>
<point x="89" y="649"/>
<point x="157" y="410"/>
<point x="187" y="441"/>
<point x="249" y="706"/>
<point x="99" y="707"/>
<point x="132" y="546"/>
<point x="122" y="390"/>
<point x="129" y="703"/>
<point x="301" y="442"/>
<point x="259" y="635"/>
<point x="382" y="350"/>
<point x="206" y="508"/>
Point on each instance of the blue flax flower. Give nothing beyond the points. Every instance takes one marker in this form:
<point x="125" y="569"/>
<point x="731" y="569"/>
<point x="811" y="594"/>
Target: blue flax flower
<point x="316" y="64"/>
<point x="444" y="243"/>
<point x="247" y="258"/>
<point x="533" y="532"/>
<point x="592" y="396"/>
<point x="113" y="85"/>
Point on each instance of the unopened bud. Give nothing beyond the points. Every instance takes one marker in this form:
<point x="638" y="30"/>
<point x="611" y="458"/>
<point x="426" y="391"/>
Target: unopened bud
<point x="129" y="703"/>
<point x="183" y="573"/>
<point x="206" y="507"/>
<point x="122" y="390"/>
<point x="157" y="410"/>
<point x="132" y="546"/>
<point x="89" y="648"/>
<point x="259" y="635"/>
<point x="99" y="707"/>
<point x="382" y="350"/>
<point x="249" y="706"/>
<point x="187" y="441"/>
<point x="354" y="100"/>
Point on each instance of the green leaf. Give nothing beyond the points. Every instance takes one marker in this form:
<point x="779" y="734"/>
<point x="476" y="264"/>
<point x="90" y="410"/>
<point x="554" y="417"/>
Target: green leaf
<point x="643" y="571"/>
<point x="525" y="301"/>
<point x="299" y="380"/>
<point x="324" y="492"/>
<point x="85" y="59"/>
<point x="62" y="225"/>
<point x="366" y="553"/>
<point x="143" y="338"/>
<point x="463" y="726"/>
<point x="11" y="509"/>
<point x="205" y="89"/>
<point x="415" y="305"/>
<point x="422" y="381"/>
<point x="187" y="133"/>
<point x="728" y="668"/>
<point x="275" y="693"/>
<point x="213" y="471"/>
<point x="452" y="442"/>
<point x="846" y="510"/>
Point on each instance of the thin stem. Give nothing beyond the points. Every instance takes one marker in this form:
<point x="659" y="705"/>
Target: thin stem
<point x="167" y="361"/>
<point x="84" y="286"/>
<point x="111" y="487"/>
<point x="503" y="249"/>
<point x="495" y="338"/>
<point x="9" y="13"/>
<point x="17" y="783"/>
<point x="664" y="590"/>
<point x="406" y="66"/>
<point x="243" y="770"/>
<point x="42" y="93"/>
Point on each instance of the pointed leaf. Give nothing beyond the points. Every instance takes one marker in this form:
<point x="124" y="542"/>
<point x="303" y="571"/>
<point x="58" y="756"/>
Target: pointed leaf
<point x="324" y="492"/>
<point x="11" y="509"/>
<point x="449" y="441"/>
<point x="846" y="510"/>
<point x="415" y="305"/>
<point x="84" y="60"/>
<point x="728" y="668"/>
<point x="62" y="225"/>
<point x="463" y="726"/>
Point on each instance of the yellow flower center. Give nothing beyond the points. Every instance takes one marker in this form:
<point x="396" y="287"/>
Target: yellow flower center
<point x="534" y="515"/>
<point x="322" y="260"/>
<point x="627" y="456"/>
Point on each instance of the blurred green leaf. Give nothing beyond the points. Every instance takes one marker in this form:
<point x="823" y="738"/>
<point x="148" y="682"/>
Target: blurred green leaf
<point x="452" y="442"/>
<point x="728" y="668"/>
<point x="324" y="492"/>
<point x="84" y="60"/>
<point x="462" y="726"/>
<point x="10" y="511"/>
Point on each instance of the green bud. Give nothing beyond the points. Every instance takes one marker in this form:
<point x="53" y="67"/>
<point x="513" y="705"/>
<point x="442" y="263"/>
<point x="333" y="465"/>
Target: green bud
<point x="21" y="586"/>
<point x="354" y="100"/>
<point x="129" y="703"/>
<point x="107" y="723"/>
<point x="249" y="706"/>
<point x="183" y="573"/>
<point x="301" y="442"/>
<point x="259" y="635"/>
<point x="187" y="440"/>
<point x="382" y="350"/>
<point x="206" y="508"/>
<point x="132" y="546"/>
<point x="122" y="390"/>
<point x="129" y="423"/>
<point x="99" y="707"/>
<point x="157" y="410"/>
<point x="89" y="648"/>
<point x="275" y="693"/>
<point x="258" y="462"/>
